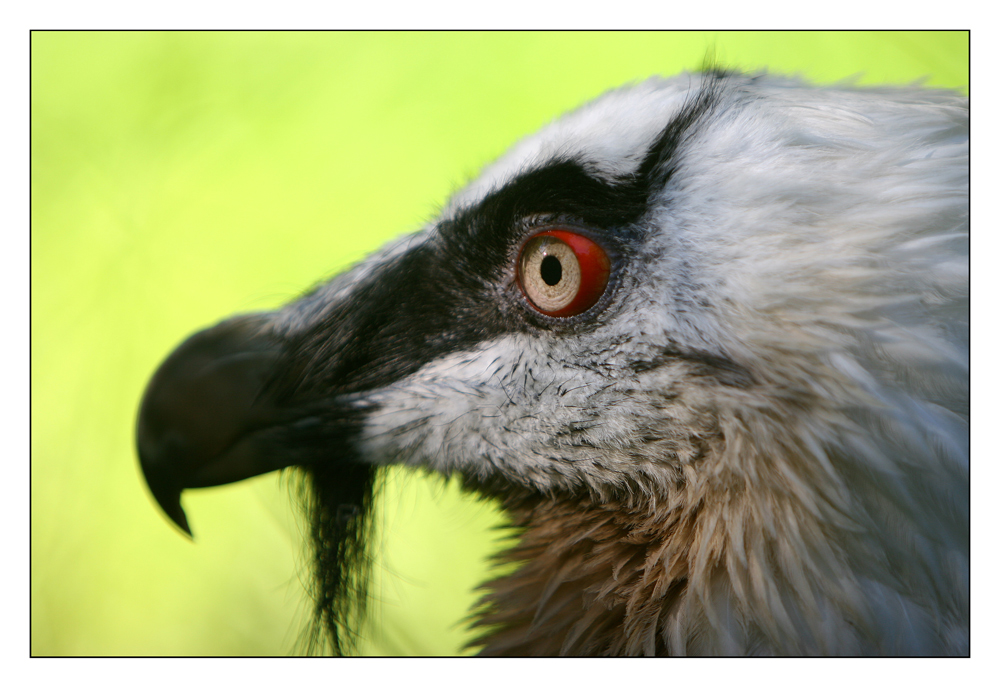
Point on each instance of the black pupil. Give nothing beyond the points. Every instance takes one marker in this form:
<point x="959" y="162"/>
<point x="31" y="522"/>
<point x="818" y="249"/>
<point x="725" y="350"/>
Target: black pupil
<point x="551" y="270"/>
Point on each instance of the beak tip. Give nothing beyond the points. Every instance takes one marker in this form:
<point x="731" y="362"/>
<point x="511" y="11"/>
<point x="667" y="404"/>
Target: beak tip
<point x="170" y="503"/>
<point x="178" y="517"/>
<point x="159" y="471"/>
<point x="181" y="521"/>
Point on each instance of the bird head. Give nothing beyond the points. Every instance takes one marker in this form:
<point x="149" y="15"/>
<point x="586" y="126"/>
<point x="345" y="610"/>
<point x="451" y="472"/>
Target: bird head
<point x="738" y="298"/>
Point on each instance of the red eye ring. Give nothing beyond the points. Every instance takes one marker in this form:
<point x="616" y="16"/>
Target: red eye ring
<point x="562" y="273"/>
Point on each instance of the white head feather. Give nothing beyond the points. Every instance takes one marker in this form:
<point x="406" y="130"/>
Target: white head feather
<point x="816" y="239"/>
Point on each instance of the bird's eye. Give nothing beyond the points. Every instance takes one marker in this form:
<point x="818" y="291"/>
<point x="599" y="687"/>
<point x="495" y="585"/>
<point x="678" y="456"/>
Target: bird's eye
<point x="562" y="273"/>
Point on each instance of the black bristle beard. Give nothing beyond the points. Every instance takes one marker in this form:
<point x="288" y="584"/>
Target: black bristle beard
<point x="339" y="501"/>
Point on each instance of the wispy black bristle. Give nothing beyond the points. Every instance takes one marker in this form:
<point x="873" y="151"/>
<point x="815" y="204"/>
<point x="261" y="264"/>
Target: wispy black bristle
<point x="339" y="501"/>
<point x="712" y="64"/>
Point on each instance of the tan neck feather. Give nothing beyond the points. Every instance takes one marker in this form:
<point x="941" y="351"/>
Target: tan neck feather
<point x="596" y="579"/>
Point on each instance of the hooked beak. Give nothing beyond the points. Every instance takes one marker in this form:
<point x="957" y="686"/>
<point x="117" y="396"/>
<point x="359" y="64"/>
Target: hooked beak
<point x="206" y="417"/>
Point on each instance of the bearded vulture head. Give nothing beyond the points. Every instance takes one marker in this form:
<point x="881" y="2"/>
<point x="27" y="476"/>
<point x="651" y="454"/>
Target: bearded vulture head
<point x="704" y="339"/>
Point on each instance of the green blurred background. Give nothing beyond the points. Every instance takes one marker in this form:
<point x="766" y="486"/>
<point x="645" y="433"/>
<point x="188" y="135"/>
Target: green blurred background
<point x="178" y="178"/>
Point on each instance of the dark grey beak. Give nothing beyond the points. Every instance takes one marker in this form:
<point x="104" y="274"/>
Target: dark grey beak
<point x="206" y="417"/>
